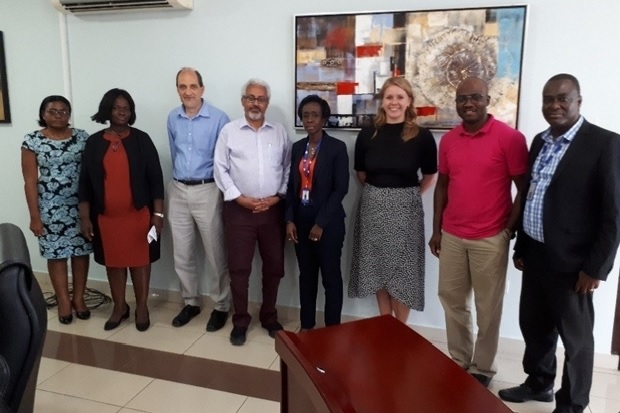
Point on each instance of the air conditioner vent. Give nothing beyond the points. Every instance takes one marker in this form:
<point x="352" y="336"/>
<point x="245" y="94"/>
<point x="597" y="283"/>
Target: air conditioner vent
<point x="117" y="6"/>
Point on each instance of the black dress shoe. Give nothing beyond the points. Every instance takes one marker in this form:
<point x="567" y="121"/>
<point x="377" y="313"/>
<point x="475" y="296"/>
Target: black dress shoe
<point x="187" y="313"/>
<point x="523" y="393"/>
<point x="65" y="319"/>
<point x="273" y="328"/>
<point x="217" y="320"/>
<point x="142" y="326"/>
<point x="238" y="335"/>
<point x="111" y="325"/>
<point x="82" y="315"/>
<point x="482" y="379"/>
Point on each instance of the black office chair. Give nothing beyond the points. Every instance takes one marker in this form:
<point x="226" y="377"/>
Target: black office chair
<point x="23" y="323"/>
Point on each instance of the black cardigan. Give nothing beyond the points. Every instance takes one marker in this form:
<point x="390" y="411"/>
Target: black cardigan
<point x="145" y="175"/>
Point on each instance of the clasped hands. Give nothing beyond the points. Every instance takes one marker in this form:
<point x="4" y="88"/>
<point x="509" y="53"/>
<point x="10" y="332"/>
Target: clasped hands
<point x="257" y="205"/>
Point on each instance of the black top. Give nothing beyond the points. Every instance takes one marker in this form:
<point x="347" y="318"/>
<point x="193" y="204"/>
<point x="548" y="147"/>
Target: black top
<point x="145" y="175"/>
<point x="390" y="162"/>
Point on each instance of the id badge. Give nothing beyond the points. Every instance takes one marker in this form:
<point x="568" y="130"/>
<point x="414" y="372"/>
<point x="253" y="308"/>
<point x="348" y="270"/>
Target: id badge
<point x="531" y="191"/>
<point x="305" y="196"/>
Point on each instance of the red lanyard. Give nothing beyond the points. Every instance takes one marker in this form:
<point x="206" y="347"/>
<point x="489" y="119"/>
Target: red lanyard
<point x="306" y="170"/>
<point x="309" y="159"/>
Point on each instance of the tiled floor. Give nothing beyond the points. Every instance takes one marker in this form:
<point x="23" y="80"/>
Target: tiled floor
<point x="168" y="369"/>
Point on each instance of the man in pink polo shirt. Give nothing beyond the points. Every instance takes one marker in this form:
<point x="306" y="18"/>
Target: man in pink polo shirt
<point x="473" y="222"/>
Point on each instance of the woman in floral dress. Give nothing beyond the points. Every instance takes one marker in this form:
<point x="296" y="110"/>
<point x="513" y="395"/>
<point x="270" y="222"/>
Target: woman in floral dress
<point x="51" y="159"/>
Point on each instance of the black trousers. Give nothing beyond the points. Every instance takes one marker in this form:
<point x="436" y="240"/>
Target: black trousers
<point x="549" y="308"/>
<point x="324" y="255"/>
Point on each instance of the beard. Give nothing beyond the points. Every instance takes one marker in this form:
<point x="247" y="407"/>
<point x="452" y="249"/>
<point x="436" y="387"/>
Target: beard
<point x="254" y="115"/>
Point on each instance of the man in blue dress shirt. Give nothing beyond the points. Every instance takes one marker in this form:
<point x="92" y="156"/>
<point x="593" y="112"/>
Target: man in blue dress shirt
<point x="195" y="202"/>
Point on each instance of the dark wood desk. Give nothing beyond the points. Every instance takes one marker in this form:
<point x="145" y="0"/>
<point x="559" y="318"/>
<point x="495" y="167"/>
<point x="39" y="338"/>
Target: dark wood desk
<point x="374" y="365"/>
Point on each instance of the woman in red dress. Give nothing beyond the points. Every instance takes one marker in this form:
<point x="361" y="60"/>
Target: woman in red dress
<point x="121" y="196"/>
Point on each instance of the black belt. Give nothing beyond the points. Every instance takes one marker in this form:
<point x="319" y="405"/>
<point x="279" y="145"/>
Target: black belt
<point x="195" y="182"/>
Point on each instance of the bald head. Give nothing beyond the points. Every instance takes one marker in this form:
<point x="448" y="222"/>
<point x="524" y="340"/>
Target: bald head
<point x="475" y="83"/>
<point x="472" y="100"/>
<point x="193" y="71"/>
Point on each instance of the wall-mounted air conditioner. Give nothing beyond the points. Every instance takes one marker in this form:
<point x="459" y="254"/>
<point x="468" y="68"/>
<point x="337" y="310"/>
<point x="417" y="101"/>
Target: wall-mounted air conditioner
<point x="115" y="6"/>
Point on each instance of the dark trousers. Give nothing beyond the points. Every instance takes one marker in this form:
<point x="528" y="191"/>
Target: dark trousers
<point x="324" y="255"/>
<point x="549" y="308"/>
<point x="243" y="230"/>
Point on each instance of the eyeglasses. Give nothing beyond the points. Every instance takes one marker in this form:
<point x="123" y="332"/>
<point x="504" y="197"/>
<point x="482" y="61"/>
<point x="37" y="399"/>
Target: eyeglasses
<point x="475" y="98"/>
<point x="55" y="112"/>
<point x="261" y="100"/>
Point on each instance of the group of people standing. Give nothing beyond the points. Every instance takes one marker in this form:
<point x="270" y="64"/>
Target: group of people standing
<point x="238" y="184"/>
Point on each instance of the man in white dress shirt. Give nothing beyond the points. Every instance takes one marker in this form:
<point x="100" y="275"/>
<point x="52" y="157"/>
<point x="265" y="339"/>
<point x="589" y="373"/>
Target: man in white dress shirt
<point x="252" y="161"/>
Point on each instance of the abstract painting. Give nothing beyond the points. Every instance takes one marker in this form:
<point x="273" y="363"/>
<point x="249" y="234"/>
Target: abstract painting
<point x="346" y="58"/>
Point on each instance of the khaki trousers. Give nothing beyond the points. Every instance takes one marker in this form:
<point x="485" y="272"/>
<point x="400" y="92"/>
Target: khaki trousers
<point x="196" y="212"/>
<point x="478" y="267"/>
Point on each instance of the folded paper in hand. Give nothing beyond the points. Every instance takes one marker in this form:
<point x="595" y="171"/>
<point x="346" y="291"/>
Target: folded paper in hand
<point x="152" y="235"/>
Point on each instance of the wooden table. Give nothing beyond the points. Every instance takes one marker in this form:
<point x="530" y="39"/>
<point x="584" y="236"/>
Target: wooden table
<point x="374" y="365"/>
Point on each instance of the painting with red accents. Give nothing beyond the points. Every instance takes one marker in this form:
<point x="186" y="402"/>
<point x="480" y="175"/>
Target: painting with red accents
<point x="346" y="58"/>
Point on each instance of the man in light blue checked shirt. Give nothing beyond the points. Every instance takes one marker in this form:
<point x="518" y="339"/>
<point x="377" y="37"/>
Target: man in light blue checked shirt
<point x="545" y="165"/>
<point x="566" y="245"/>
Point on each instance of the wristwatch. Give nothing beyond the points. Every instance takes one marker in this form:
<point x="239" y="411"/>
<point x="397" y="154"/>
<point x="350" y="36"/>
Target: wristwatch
<point x="158" y="214"/>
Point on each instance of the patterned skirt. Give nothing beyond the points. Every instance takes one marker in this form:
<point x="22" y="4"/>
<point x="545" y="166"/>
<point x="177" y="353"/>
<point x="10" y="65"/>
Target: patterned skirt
<point x="388" y="245"/>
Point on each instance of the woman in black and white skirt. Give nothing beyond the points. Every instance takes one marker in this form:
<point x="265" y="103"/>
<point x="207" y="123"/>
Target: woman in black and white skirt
<point x="388" y="244"/>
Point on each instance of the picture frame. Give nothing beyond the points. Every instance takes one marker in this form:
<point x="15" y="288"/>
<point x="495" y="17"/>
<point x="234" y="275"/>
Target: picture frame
<point x="5" y="111"/>
<point x="346" y="58"/>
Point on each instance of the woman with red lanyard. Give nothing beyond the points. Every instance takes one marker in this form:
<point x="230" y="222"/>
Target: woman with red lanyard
<point x="318" y="182"/>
